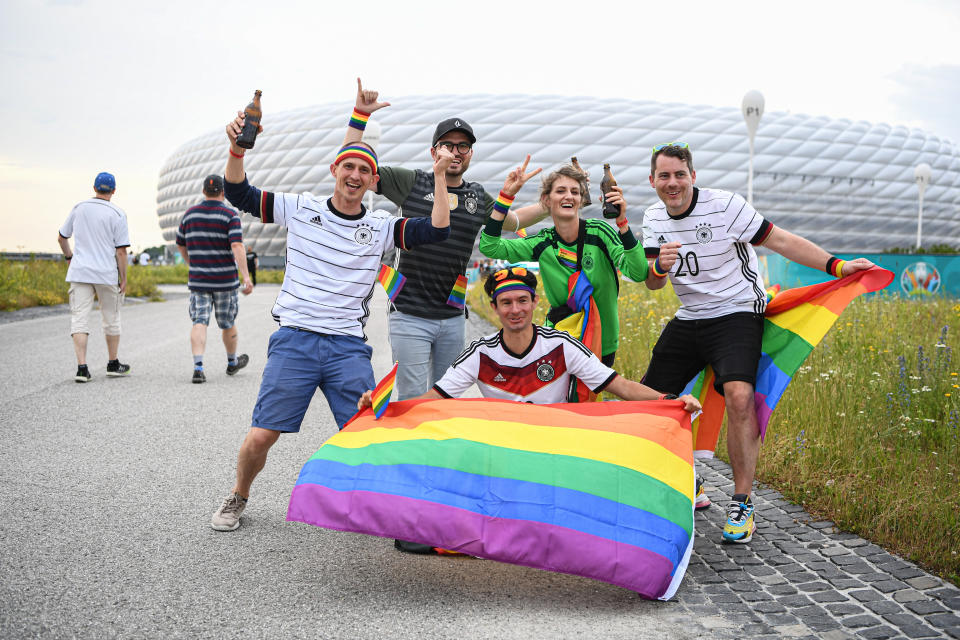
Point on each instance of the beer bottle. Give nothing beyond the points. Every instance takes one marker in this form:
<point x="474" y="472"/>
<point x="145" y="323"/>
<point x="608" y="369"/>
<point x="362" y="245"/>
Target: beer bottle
<point x="586" y="194"/>
<point x="251" y="123"/>
<point x="609" y="210"/>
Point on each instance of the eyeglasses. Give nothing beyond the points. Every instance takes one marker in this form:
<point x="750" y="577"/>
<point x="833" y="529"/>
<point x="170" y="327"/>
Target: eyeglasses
<point x="677" y="144"/>
<point x="503" y="273"/>
<point x="462" y="147"/>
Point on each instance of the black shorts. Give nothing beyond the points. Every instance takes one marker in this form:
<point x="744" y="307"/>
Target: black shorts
<point x="730" y="344"/>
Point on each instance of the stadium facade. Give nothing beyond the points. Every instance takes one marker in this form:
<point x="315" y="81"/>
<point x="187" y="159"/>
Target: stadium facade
<point x="848" y="186"/>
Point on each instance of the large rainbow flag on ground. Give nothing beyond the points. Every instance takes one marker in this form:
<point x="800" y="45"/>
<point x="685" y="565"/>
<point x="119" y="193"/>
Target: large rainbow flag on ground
<point x="602" y="490"/>
<point x="795" y="322"/>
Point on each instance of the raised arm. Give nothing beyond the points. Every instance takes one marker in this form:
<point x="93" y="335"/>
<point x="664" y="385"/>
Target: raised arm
<point x="441" y="201"/>
<point x="365" y="105"/>
<point x="234" y="170"/>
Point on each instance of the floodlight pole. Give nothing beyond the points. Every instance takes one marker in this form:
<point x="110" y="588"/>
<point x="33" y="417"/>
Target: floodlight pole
<point x="922" y="175"/>
<point x="752" y="108"/>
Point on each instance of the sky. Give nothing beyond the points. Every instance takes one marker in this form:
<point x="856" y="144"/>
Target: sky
<point x="104" y="85"/>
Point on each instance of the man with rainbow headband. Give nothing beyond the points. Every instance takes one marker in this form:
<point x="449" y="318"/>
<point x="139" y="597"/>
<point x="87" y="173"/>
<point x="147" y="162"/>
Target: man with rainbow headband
<point x="334" y="248"/>
<point x="526" y="362"/>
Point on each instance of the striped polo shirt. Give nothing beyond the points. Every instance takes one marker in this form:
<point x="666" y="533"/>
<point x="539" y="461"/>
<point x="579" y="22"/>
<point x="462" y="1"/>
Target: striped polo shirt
<point x="207" y="230"/>
<point x="717" y="272"/>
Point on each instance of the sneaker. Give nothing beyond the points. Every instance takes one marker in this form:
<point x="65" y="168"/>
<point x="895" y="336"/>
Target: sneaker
<point x="739" y="527"/>
<point x="227" y="517"/>
<point x="198" y="376"/>
<point x="115" y="369"/>
<point x="83" y="374"/>
<point x="414" y="547"/>
<point x="242" y="361"/>
<point x="702" y="500"/>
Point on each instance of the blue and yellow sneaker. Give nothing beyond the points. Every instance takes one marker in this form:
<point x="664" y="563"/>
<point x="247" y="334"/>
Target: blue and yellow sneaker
<point x="701" y="500"/>
<point x="739" y="527"/>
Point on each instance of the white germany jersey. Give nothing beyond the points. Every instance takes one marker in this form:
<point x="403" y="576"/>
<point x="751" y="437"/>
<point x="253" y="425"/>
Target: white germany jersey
<point x="716" y="273"/>
<point x="333" y="261"/>
<point x="541" y="374"/>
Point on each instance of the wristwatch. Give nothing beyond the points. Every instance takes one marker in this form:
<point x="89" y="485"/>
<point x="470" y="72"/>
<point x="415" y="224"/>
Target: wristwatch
<point x="667" y="396"/>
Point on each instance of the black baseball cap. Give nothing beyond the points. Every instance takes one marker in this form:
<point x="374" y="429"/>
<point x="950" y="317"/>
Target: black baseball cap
<point x="213" y="184"/>
<point x="453" y="124"/>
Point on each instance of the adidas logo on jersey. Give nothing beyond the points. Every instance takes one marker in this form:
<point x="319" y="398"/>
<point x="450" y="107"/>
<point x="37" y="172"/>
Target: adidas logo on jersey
<point x="661" y="240"/>
<point x="428" y="197"/>
<point x="499" y="378"/>
<point x="317" y="220"/>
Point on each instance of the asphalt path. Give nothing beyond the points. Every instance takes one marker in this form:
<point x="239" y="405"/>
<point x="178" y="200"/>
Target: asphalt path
<point x="107" y="488"/>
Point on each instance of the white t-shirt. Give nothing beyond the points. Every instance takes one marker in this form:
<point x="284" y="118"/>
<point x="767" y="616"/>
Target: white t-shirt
<point x="332" y="263"/>
<point x="541" y="374"/>
<point x="98" y="228"/>
<point x="716" y="273"/>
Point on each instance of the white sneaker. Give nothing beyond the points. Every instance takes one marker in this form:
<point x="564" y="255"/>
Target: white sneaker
<point x="227" y="517"/>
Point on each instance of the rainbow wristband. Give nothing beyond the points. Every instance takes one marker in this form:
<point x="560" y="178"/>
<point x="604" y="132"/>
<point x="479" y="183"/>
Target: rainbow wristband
<point x="358" y="119"/>
<point x="502" y="203"/>
<point x="657" y="269"/>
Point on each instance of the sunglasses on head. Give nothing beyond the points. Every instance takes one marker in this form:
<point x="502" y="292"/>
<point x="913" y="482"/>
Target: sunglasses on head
<point x="503" y="273"/>
<point x="677" y="144"/>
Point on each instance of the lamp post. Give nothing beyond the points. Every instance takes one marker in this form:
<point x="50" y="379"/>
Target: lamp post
<point x="752" y="109"/>
<point x="371" y="135"/>
<point x="922" y="175"/>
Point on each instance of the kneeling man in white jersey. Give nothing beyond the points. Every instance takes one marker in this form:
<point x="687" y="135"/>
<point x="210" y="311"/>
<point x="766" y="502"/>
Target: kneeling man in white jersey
<point x="703" y="240"/>
<point x="334" y="248"/>
<point x="528" y="362"/>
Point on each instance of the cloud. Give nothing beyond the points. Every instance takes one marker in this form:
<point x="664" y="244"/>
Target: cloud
<point x="927" y="96"/>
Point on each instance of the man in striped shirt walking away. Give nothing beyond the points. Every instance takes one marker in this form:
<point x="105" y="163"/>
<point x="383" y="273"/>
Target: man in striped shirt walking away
<point x="703" y="240"/>
<point x="210" y="239"/>
<point x="334" y="249"/>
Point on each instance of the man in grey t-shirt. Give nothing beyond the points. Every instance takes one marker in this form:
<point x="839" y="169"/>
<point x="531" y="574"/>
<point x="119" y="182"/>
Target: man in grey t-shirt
<point x="98" y="266"/>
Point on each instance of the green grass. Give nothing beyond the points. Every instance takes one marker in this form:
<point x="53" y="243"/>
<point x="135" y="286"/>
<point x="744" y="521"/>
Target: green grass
<point x="42" y="282"/>
<point x="868" y="433"/>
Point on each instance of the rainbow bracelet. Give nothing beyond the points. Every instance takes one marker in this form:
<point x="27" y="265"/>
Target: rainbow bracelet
<point x="358" y="119"/>
<point x="657" y="269"/>
<point x="502" y="203"/>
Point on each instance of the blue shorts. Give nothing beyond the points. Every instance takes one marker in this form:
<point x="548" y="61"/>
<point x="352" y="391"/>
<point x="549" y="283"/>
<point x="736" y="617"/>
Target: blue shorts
<point x="223" y="303"/>
<point x="298" y="362"/>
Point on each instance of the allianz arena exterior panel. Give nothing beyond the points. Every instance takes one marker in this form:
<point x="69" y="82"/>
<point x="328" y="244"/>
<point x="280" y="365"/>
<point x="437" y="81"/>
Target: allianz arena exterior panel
<point x="848" y="186"/>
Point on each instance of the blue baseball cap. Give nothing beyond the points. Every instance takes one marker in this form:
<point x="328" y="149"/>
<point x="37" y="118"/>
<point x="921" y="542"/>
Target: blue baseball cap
<point x="104" y="182"/>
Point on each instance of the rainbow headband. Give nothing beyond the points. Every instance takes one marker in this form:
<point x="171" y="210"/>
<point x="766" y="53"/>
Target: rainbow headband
<point x="512" y="285"/>
<point x="367" y="155"/>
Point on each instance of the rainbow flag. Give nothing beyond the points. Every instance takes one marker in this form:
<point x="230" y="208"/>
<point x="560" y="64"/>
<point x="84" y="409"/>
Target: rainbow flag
<point x="392" y="281"/>
<point x="381" y="394"/>
<point x="566" y="257"/>
<point x="584" y="325"/>
<point x="522" y="233"/>
<point x="602" y="490"/>
<point x="795" y="322"/>
<point x="458" y="296"/>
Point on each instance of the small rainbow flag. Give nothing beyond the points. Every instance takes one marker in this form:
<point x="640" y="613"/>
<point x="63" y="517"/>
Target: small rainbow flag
<point x="381" y="395"/>
<point x="602" y="490"/>
<point x="795" y="322"/>
<point x="567" y="257"/>
<point x="458" y="295"/>
<point x="522" y="233"/>
<point x="392" y="281"/>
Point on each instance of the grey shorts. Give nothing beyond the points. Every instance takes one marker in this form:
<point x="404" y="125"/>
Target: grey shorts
<point x="223" y="303"/>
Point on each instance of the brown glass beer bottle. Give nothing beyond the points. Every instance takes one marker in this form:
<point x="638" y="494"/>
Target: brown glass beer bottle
<point x="586" y="194"/>
<point x="251" y="123"/>
<point x="609" y="210"/>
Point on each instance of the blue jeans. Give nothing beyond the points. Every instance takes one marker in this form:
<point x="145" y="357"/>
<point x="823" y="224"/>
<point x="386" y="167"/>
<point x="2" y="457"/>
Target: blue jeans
<point x="424" y="348"/>
<point x="300" y="361"/>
